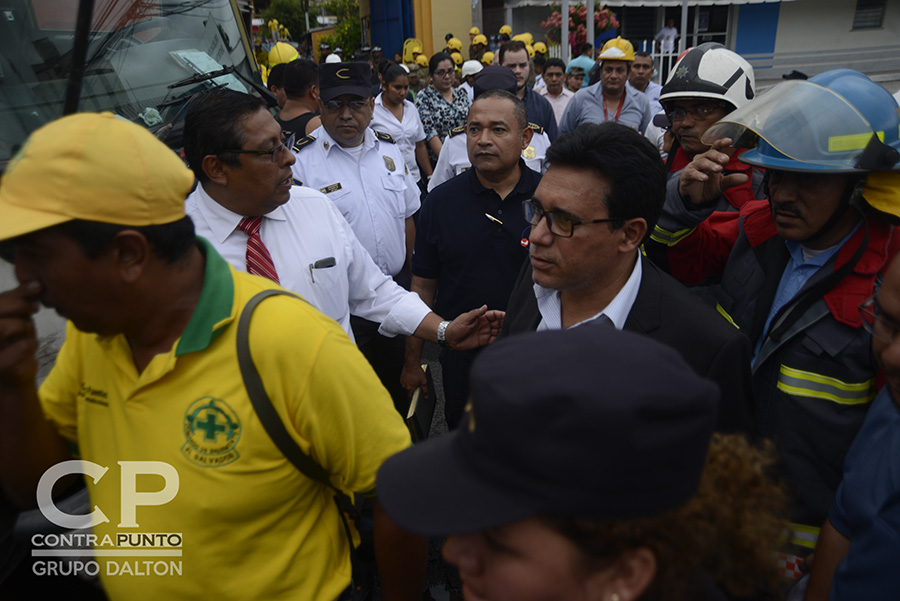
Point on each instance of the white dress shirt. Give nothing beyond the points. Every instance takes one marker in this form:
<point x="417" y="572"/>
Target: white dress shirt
<point x="617" y="310"/>
<point x="405" y="133"/>
<point x="306" y="230"/>
<point x="375" y="193"/>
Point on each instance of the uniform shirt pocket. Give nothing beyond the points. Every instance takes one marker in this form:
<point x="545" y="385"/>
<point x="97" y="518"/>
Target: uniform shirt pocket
<point x="396" y="184"/>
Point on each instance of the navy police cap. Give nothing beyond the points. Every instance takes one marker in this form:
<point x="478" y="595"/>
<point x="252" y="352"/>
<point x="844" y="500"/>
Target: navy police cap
<point x="337" y="79"/>
<point x="590" y="422"/>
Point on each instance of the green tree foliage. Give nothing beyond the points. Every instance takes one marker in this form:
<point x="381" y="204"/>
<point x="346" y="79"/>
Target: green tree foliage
<point x="348" y="31"/>
<point x="290" y="14"/>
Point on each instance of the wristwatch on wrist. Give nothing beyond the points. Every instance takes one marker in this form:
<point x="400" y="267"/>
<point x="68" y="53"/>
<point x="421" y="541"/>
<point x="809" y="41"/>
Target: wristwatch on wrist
<point x="442" y="332"/>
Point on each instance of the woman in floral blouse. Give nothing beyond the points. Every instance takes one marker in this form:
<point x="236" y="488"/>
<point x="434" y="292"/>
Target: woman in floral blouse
<point x="441" y="106"/>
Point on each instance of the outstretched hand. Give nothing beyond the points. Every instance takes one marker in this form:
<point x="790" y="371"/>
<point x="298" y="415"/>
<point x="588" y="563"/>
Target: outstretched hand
<point x="474" y="329"/>
<point x="703" y="180"/>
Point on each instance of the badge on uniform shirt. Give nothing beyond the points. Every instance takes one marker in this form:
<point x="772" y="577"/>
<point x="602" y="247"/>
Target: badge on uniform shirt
<point x="325" y="145"/>
<point x="528" y="153"/>
<point x="389" y="163"/>
<point x="331" y="188"/>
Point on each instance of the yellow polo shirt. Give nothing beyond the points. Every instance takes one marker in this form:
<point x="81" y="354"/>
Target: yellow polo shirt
<point x="250" y="526"/>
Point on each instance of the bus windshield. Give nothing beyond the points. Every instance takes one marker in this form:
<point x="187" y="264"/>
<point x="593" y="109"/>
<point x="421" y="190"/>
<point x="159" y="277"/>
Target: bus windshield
<point x="137" y="50"/>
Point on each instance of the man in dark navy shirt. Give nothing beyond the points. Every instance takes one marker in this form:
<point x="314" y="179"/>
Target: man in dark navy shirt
<point x="469" y="237"/>
<point x="514" y="56"/>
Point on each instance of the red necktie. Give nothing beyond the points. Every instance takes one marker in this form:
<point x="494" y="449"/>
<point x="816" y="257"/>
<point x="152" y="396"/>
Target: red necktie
<point x="259" y="261"/>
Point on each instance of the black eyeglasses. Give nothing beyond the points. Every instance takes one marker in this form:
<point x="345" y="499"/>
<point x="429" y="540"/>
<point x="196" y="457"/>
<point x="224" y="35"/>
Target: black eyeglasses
<point x="443" y="73"/>
<point x="355" y="105"/>
<point x="288" y="143"/>
<point x="875" y="323"/>
<point x="560" y="225"/>
<point x="698" y="112"/>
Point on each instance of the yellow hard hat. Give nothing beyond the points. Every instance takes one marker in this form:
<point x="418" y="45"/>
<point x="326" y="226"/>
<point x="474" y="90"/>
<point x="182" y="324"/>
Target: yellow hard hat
<point x="457" y="58"/>
<point x="282" y="52"/>
<point x="618" y="49"/>
<point x="479" y="39"/>
<point x="506" y="29"/>
<point x="530" y="49"/>
<point x="527" y="38"/>
<point x="474" y="31"/>
<point x="422" y="60"/>
<point x="540" y="48"/>
<point x="454" y="44"/>
<point x="487" y="58"/>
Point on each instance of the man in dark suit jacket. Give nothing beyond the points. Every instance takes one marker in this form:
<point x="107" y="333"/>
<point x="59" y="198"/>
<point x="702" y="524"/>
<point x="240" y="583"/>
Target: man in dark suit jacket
<point x="600" y="196"/>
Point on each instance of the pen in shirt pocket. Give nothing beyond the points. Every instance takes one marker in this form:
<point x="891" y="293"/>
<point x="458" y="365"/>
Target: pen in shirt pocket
<point x="321" y="264"/>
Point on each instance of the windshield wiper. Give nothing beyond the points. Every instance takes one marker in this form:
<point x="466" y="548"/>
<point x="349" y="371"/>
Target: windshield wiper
<point x="266" y="95"/>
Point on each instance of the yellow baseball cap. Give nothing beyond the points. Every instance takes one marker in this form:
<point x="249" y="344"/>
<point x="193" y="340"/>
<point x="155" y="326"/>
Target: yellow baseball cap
<point x="95" y="167"/>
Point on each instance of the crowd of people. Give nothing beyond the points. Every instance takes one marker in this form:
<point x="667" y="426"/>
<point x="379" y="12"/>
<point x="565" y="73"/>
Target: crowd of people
<point x="667" y="320"/>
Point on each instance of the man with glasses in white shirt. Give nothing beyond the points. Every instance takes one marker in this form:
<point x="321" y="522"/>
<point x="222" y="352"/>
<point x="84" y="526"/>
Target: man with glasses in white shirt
<point x="310" y="247"/>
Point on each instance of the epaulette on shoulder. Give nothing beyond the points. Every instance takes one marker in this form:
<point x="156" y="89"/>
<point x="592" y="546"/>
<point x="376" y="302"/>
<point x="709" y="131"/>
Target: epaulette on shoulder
<point x="383" y="136"/>
<point x="537" y="128"/>
<point x="460" y="129"/>
<point x="304" y="141"/>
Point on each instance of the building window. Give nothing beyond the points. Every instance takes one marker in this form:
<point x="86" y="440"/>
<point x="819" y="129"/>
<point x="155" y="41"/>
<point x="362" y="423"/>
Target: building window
<point x="869" y="14"/>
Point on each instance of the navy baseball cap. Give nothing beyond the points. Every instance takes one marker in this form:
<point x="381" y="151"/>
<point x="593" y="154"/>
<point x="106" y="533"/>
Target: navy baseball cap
<point x="494" y="77"/>
<point x="337" y="79"/>
<point x="570" y="422"/>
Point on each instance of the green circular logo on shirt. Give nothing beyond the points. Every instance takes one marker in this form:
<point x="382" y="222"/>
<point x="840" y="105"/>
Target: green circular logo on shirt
<point x="211" y="430"/>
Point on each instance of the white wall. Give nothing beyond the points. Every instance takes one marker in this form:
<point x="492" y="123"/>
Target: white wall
<point x="817" y="35"/>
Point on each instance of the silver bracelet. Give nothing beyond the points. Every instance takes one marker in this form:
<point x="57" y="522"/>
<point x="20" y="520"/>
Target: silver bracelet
<point x="442" y="332"/>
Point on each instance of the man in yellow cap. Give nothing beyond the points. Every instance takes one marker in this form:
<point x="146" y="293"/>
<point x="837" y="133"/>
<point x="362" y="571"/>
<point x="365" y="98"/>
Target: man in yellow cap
<point x="454" y="45"/>
<point x="478" y="47"/>
<point x="609" y="99"/>
<point x="147" y="385"/>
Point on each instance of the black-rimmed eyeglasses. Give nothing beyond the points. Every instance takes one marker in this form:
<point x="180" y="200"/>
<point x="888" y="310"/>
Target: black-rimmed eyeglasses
<point x="560" y="224"/>
<point x="875" y="323"/>
<point x="288" y="143"/>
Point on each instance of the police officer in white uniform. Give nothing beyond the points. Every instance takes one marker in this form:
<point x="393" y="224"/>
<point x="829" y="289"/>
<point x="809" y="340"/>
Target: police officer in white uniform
<point x="454" y="157"/>
<point x="363" y="172"/>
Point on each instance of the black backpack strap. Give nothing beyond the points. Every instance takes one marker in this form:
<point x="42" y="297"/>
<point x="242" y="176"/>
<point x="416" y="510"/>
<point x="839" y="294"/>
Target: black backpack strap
<point x="271" y="421"/>
<point x="260" y="399"/>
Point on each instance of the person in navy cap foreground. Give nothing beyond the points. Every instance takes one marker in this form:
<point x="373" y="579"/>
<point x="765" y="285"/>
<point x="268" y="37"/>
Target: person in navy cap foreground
<point x="574" y="476"/>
